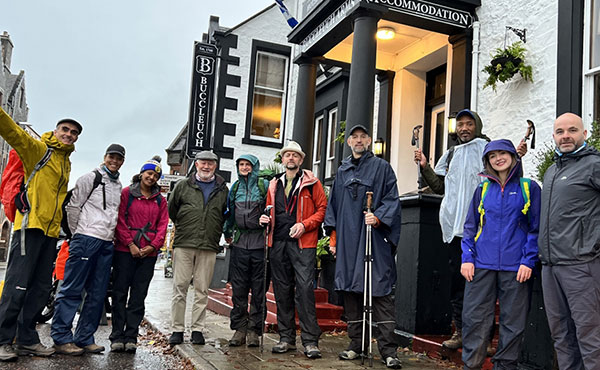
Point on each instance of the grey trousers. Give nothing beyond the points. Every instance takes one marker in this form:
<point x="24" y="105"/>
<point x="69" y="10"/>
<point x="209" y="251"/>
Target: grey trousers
<point x="293" y="274"/>
<point x="478" y="313"/>
<point x="572" y="300"/>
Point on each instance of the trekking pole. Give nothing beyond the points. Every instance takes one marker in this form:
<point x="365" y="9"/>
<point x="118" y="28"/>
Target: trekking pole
<point x="265" y="264"/>
<point x="415" y="142"/>
<point x="529" y="133"/>
<point x="367" y="291"/>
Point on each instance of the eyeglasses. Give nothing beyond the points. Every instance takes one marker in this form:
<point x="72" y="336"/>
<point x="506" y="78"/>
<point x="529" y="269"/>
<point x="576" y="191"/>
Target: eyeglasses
<point x="65" y="129"/>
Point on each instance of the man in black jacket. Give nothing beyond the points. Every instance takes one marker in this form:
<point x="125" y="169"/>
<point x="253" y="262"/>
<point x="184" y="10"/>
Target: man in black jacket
<point x="569" y="246"/>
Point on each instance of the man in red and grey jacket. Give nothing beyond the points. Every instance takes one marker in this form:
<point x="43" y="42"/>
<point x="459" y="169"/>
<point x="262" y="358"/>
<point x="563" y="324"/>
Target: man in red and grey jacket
<point x="299" y="205"/>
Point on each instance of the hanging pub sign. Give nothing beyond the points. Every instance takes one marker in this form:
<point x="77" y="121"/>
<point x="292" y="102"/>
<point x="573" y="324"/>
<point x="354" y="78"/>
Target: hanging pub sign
<point x="201" y="98"/>
<point x="424" y="9"/>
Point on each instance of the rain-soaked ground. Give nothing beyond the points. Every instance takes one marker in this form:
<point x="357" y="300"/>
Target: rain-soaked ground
<point x="153" y="353"/>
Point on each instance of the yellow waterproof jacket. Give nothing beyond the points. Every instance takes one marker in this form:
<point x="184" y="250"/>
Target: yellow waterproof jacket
<point x="48" y="187"/>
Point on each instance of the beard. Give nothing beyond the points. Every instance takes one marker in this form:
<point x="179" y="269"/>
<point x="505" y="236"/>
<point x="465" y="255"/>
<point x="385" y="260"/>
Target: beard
<point x="291" y="166"/>
<point x="359" y="150"/>
<point x="206" y="177"/>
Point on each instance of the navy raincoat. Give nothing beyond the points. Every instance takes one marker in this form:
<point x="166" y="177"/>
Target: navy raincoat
<point x="347" y="202"/>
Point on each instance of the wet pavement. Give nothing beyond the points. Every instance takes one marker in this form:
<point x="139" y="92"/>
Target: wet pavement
<point x="216" y="354"/>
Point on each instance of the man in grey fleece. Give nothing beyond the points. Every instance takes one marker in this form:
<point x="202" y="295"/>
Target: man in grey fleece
<point x="569" y="246"/>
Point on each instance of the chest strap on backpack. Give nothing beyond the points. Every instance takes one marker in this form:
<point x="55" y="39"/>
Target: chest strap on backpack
<point x="525" y="185"/>
<point x="42" y="162"/>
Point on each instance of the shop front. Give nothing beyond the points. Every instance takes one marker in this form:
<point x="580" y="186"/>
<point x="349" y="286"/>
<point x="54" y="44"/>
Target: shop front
<point x="401" y="64"/>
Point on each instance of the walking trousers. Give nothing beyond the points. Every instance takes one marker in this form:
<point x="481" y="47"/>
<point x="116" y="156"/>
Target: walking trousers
<point x="292" y="269"/>
<point x="131" y="277"/>
<point x="88" y="267"/>
<point x="478" y="316"/>
<point x="383" y="316"/>
<point x="246" y="273"/>
<point x="572" y="301"/>
<point x="189" y="263"/>
<point x="27" y="285"/>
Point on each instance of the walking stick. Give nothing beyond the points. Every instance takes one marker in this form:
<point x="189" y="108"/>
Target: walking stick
<point x="367" y="291"/>
<point x="415" y="142"/>
<point x="530" y="132"/>
<point x="265" y="264"/>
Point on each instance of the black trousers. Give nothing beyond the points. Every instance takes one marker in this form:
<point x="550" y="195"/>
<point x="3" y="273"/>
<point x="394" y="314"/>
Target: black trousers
<point x="294" y="268"/>
<point x="246" y="273"/>
<point x="131" y="277"/>
<point x="27" y="286"/>
<point x="457" y="281"/>
<point x="383" y="317"/>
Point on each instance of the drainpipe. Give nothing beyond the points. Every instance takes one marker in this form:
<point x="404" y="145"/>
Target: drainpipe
<point x="475" y="66"/>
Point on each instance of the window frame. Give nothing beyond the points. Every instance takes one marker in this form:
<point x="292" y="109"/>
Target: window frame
<point x="588" y="72"/>
<point x="259" y="46"/>
<point x="331" y="135"/>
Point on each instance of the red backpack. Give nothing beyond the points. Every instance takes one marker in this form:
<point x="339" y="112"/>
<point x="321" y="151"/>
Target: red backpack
<point x="13" y="188"/>
<point x="12" y="178"/>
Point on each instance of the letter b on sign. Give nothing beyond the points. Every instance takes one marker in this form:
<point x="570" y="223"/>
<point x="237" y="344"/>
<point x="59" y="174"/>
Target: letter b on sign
<point x="205" y="65"/>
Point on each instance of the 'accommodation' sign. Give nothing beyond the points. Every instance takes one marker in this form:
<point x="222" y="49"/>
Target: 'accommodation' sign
<point x="201" y="98"/>
<point x="427" y="10"/>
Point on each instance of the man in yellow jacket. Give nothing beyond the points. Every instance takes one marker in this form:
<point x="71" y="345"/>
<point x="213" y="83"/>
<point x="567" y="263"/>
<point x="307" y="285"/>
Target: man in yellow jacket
<point x="29" y="276"/>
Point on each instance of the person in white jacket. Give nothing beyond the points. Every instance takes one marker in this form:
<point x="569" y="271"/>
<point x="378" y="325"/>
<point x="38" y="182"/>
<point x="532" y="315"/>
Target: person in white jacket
<point x="92" y="216"/>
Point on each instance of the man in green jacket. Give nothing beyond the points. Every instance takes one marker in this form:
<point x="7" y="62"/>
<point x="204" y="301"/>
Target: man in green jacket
<point x="197" y="207"/>
<point x="29" y="275"/>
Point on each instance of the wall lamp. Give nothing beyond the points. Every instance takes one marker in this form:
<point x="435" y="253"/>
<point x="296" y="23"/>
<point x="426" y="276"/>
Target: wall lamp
<point x="452" y="123"/>
<point x="378" y="147"/>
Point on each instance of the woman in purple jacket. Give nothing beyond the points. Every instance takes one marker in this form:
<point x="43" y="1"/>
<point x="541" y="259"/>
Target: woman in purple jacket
<point x="499" y="253"/>
<point x="140" y="233"/>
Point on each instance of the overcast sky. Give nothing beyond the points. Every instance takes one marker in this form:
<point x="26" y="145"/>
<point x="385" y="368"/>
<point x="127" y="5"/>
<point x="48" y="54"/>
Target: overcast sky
<point x="121" y="68"/>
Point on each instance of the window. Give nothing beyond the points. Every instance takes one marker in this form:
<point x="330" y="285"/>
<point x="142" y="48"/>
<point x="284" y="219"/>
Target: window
<point x="265" y="115"/>
<point x="317" y="144"/>
<point x="22" y="98"/>
<point x="591" y="61"/>
<point x="331" y="136"/>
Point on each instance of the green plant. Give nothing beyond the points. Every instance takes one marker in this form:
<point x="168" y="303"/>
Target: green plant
<point x="340" y="138"/>
<point x="322" y="249"/>
<point x="506" y="63"/>
<point x="545" y="157"/>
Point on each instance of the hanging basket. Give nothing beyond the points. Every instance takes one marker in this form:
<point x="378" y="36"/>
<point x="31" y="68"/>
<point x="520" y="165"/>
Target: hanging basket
<point x="505" y="64"/>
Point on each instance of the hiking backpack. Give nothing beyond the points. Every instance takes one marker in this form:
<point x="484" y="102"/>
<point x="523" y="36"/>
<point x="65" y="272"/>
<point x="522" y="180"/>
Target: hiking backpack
<point x="13" y="189"/>
<point x="525" y="185"/>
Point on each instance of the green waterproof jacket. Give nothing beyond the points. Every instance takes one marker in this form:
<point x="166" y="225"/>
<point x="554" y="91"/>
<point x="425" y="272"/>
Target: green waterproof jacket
<point x="48" y="187"/>
<point x="198" y="225"/>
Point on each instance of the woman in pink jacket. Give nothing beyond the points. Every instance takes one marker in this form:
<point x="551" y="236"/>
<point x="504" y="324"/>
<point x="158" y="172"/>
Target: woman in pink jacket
<point x="140" y="233"/>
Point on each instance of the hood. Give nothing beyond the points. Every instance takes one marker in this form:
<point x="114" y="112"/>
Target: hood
<point x="478" y="124"/>
<point x="506" y="145"/>
<point x="136" y="191"/>
<point x="253" y="176"/>
<point x="582" y="151"/>
<point x="49" y="139"/>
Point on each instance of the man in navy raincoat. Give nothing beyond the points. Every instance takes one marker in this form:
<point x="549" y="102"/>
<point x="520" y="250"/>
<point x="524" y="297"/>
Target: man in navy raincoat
<point x="346" y="222"/>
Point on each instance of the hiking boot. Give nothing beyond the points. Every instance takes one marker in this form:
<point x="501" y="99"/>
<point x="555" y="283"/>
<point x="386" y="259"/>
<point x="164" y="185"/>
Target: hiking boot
<point x="283" y="347"/>
<point x="253" y="339"/>
<point x="7" y="353"/>
<point x="392" y="363"/>
<point x="68" y="349"/>
<point x="130" y="347"/>
<point x="93" y="348"/>
<point x="176" y="338"/>
<point x="239" y="338"/>
<point x="117" y="347"/>
<point x="455" y="342"/>
<point x="348" y="355"/>
<point x="312" y="351"/>
<point x="198" y="338"/>
<point x="37" y="349"/>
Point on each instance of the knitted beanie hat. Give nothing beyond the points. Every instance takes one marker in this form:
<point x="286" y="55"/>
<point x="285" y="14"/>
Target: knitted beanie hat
<point x="153" y="164"/>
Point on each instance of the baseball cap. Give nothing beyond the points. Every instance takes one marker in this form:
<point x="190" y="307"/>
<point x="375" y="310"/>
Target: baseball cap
<point x="71" y="121"/>
<point x="359" y="127"/>
<point x="115" y="149"/>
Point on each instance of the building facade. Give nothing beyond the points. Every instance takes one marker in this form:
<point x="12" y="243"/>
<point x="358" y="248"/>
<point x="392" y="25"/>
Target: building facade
<point x="13" y="100"/>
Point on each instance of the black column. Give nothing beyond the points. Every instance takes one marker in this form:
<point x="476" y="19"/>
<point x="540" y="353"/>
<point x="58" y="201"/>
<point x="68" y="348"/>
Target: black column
<point x="460" y="91"/>
<point x="570" y="57"/>
<point x="305" y="107"/>
<point x="362" y="73"/>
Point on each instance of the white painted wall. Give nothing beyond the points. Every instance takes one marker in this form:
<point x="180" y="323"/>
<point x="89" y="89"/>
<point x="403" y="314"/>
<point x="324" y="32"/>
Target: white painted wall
<point x="272" y="27"/>
<point x="504" y="112"/>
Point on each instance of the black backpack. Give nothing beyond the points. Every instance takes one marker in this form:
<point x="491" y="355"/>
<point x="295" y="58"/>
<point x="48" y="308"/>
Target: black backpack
<point x="64" y="223"/>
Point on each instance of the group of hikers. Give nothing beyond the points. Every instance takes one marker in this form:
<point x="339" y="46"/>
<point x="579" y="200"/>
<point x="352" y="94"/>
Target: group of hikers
<point x="496" y="223"/>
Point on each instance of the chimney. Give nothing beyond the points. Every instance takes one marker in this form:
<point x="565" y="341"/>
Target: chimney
<point x="7" y="48"/>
